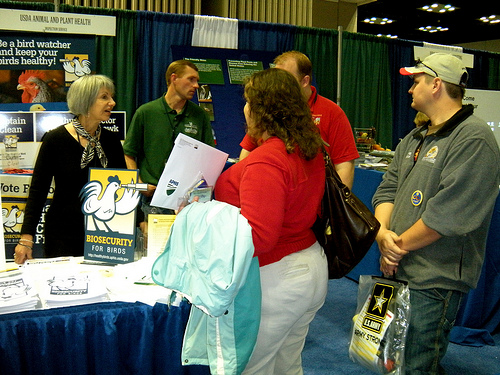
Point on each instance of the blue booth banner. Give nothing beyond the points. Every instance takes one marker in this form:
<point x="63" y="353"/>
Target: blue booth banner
<point x="20" y="133"/>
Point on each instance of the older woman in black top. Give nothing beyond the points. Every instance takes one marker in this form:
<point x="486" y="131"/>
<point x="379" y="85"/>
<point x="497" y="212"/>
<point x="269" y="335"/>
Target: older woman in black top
<point x="66" y="154"/>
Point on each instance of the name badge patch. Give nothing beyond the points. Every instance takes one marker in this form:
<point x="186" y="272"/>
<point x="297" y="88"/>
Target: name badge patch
<point x="416" y="198"/>
<point x="431" y="155"/>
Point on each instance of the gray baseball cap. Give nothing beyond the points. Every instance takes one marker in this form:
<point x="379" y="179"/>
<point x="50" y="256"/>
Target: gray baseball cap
<point x="443" y="65"/>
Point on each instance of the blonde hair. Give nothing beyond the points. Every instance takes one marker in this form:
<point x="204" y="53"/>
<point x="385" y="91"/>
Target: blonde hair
<point x="420" y="119"/>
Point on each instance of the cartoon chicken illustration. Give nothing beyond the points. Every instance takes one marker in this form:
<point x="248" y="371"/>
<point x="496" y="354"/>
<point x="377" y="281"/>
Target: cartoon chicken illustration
<point x="103" y="206"/>
<point x="77" y="67"/>
<point x="11" y="218"/>
<point x="35" y="88"/>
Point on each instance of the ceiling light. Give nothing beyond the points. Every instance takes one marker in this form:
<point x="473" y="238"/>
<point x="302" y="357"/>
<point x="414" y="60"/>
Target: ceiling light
<point x="378" y="21"/>
<point x="432" y="29"/>
<point x="490" y="19"/>
<point x="387" y="36"/>
<point x="438" y="8"/>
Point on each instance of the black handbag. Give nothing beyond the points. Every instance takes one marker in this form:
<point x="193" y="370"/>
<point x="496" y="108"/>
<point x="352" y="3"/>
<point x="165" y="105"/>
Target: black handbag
<point x="346" y="228"/>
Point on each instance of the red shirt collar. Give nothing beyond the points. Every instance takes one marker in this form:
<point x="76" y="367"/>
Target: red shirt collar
<point x="312" y="99"/>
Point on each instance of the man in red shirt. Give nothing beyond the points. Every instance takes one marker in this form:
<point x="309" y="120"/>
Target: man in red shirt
<point x="333" y="124"/>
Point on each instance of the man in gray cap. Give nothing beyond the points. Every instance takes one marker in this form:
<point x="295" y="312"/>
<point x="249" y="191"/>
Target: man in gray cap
<point x="435" y="204"/>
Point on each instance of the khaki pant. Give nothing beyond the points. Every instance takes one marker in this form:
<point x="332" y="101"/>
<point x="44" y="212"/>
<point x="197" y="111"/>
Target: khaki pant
<point x="293" y="290"/>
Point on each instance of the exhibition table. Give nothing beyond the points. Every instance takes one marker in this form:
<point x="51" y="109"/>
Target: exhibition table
<point x="479" y="316"/>
<point x="117" y="338"/>
<point x="137" y="327"/>
<point x="111" y="338"/>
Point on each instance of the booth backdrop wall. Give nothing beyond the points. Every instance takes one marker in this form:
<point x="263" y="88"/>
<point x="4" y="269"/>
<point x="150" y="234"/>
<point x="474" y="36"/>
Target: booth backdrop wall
<point x="373" y="93"/>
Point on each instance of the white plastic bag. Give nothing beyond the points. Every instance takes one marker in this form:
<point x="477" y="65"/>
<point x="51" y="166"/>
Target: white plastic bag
<point x="380" y="325"/>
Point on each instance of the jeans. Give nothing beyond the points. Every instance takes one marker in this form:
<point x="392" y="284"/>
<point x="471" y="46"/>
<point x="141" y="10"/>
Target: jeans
<point x="433" y="313"/>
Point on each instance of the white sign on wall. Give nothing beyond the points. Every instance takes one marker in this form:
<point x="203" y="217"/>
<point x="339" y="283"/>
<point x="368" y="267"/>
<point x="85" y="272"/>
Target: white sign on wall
<point x="57" y="22"/>
<point x="420" y="53"/>
<point x="486" y="107"/>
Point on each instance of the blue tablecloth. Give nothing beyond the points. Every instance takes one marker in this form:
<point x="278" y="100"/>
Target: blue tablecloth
<point x="479" y="315"/>
<point x="114" y="338"/>
<point x="366" y="183"/>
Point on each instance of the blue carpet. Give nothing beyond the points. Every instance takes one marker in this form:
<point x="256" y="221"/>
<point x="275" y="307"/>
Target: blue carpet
<point x="327" y="346"/>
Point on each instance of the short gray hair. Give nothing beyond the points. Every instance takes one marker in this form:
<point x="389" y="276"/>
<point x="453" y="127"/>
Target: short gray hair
<point x="83" y="92"/>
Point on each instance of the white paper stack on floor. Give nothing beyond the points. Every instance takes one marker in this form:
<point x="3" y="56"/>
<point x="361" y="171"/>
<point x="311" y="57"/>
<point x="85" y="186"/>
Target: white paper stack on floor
<point x="17" y="293"/>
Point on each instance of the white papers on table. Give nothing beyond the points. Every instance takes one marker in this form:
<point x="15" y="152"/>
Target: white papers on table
<point x="68" y="281"/>
<point x="64" y="282"/>
<point x="70" y="289"/>
<point x="41" y="261"/>
<point x="189" y="159"/>
<point x="132" y="282"/>
<point x="17" y="293"/>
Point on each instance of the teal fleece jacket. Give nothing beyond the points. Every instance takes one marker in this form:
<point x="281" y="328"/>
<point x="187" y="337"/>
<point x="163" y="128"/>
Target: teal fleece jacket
<point x="209" y="259"/>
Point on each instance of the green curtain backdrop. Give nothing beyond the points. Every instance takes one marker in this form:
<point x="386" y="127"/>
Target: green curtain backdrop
<point x="41" y="7"/>
<point x="372" y="94"/>
<point x="116" y="56"/>
<point x="494" y="73"/>
<point x="321" y="47"/>
<point x="366" y="84"/>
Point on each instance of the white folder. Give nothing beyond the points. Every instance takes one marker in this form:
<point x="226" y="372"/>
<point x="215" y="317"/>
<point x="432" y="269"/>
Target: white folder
<point x="189" y="160"/>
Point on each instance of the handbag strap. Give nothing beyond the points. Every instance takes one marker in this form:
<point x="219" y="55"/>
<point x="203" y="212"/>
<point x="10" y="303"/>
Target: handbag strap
<point x="330" y="170"/>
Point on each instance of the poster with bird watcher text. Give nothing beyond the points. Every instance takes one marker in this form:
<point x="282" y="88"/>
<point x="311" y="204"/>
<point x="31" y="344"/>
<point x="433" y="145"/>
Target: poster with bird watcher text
<point x="109" y="202"/>
<point x="36" y="70"/>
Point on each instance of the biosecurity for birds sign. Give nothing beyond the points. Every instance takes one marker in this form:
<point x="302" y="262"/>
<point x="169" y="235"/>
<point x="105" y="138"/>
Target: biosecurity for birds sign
<point x="109" y="202"/>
